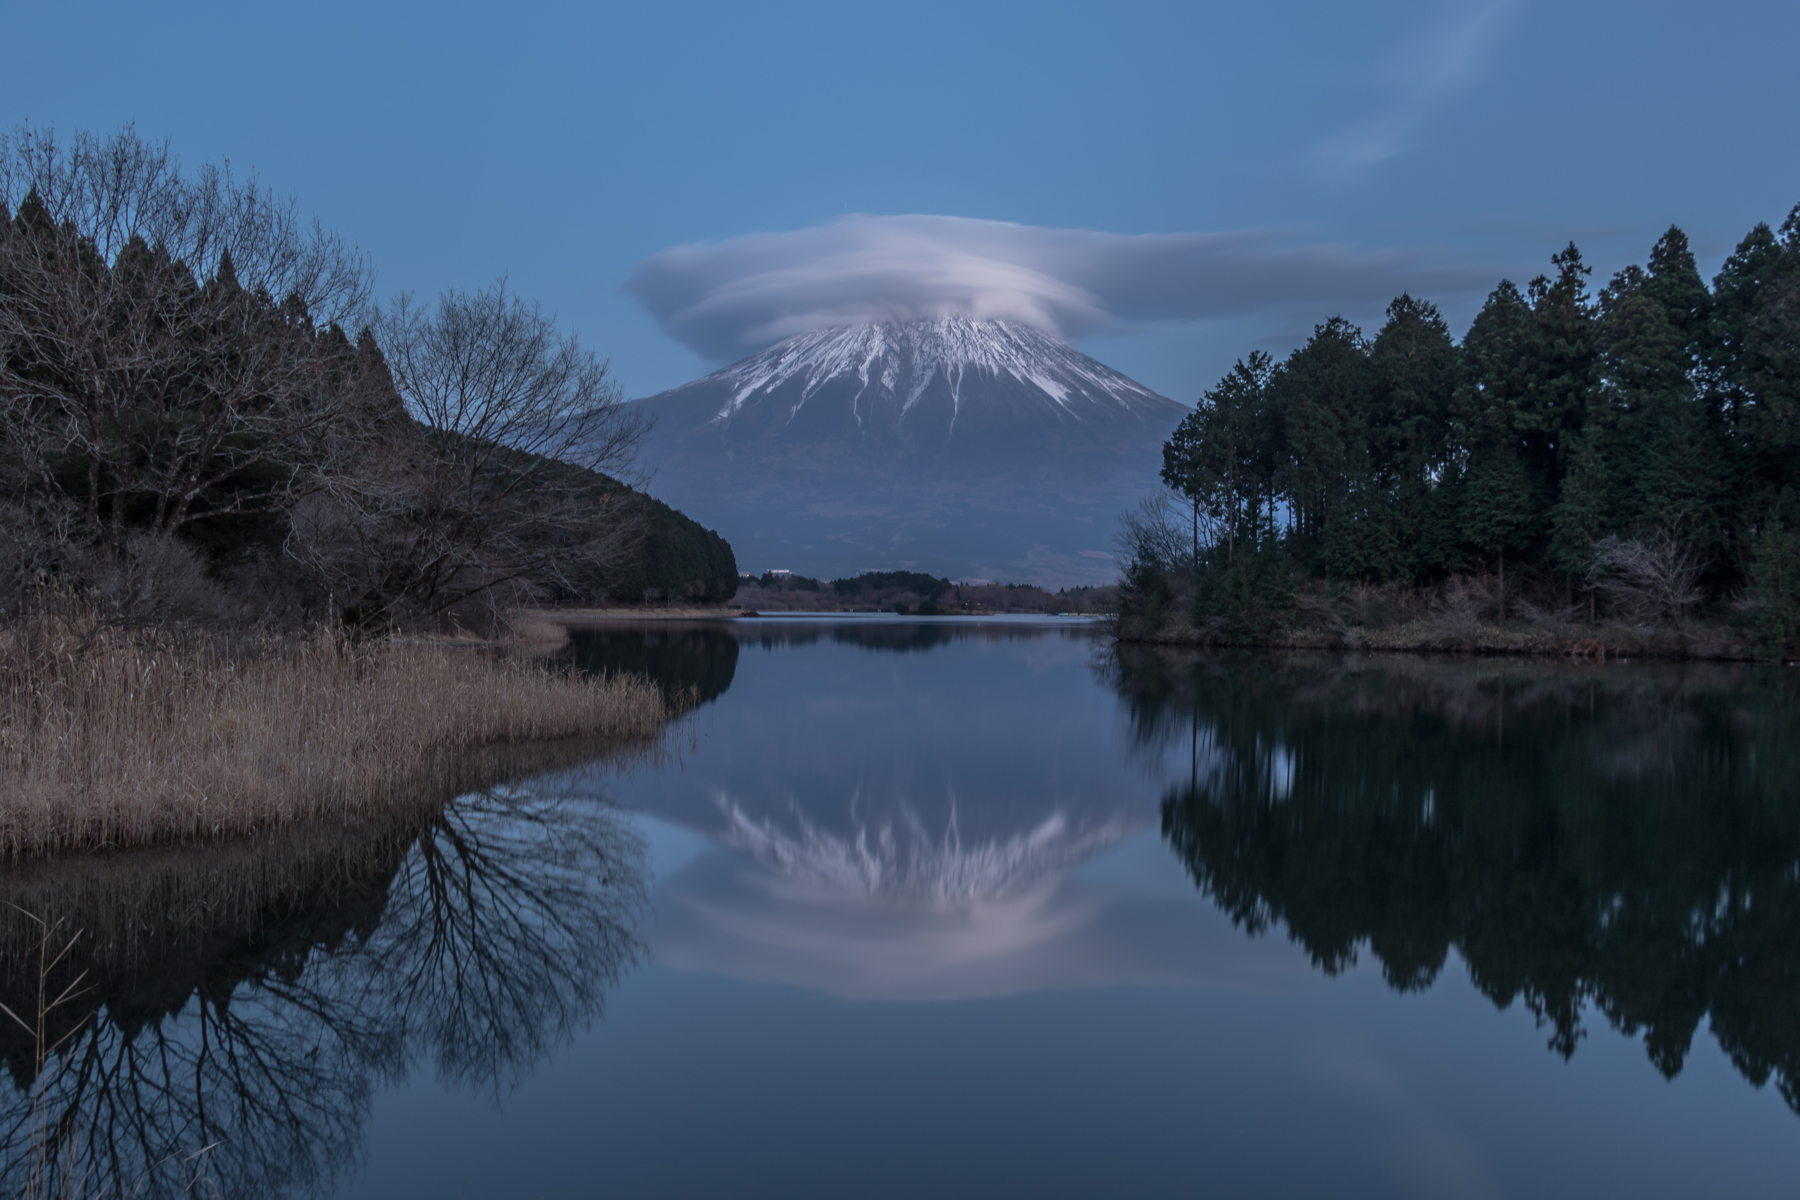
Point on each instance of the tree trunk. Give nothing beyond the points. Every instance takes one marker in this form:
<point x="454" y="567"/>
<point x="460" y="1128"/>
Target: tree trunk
<point x="1503" y="585"/>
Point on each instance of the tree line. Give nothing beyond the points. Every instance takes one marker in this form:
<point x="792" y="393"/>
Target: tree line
<point x="1633" y="449"/>
<point x="188" y="428"/>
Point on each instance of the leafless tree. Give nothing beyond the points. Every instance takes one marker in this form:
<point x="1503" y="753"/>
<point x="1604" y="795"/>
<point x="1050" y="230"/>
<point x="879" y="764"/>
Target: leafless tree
<point x="141" y="393"/>
<point x="1652" y="578"/>
<point x="513" y="477"/>
<point x="174" y="363"/>
<point x="124" y="188"/>
<point x="1154" y="532"/>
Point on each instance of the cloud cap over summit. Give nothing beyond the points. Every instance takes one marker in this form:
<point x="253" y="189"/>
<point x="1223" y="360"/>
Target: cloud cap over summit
<point x="728" y="299"/>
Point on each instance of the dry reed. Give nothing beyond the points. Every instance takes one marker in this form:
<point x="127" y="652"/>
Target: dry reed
<point x="118" y="740"/>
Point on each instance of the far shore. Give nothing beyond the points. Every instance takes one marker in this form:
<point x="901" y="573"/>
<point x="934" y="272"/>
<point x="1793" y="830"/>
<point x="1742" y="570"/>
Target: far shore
<point x="1549" y="640"/>
<point x="576" y="617"/>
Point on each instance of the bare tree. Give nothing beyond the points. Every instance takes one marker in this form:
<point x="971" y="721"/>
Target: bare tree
<point x="134" y="391"/>
<point x="124" y="188"/>
<point x="1154" y="533"/>
<point x="1649" y="578"/>
<point x="513" y="478"/>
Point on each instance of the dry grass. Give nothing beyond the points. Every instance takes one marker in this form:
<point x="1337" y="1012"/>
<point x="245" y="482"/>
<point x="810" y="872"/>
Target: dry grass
<point x="118" y="740"/>
<point x="539" y="634"/>
<point x="1460" y="615"/>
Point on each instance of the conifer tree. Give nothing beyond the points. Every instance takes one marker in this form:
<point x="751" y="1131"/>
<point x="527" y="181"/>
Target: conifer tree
<point x="1416" y="368"/>
<point x="1218" y="454"/>
<point x="1674" y="283"/>
<point x="1321" y="399"/>
<point x="1561" y="367"/>
<point x="1500" y="503"/>
<point x="1580" y="518"/>
<point x="1754" y="359"/>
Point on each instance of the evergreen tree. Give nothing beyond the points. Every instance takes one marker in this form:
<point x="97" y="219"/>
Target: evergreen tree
<point x="1674" y="283"/>
<point x="1581" y="516"/>
<point x="1561" y="368"/>
<point x="1754" y="358"/>
<point x="1218" y="455"/>
<point x="1657" y="409"/>
<point x="1777" y="578"/>
<point x="1669" y="461"/>
<point x="1500" y="502"/>
<point x="1321" y="401"/>
<point x="1416" y="369"/>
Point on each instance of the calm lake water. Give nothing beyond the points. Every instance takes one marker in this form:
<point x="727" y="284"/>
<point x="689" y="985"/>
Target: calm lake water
<point x="984" y="909"/>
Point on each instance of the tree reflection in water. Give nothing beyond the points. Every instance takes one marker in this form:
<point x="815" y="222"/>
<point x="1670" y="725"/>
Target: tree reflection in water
<point x="695" y="661"/>
<point x="1624" y="838"/>
<point x="245" y="1002"/>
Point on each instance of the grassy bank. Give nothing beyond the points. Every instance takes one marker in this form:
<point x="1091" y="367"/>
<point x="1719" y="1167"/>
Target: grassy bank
<point x="1461" y="616"/>
<point x="126" y="739"/>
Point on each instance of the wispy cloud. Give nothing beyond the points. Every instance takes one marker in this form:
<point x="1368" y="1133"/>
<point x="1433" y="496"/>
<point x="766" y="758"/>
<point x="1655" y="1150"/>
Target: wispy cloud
<point x="730" y="298"/>
<point x="1427" y="72"/>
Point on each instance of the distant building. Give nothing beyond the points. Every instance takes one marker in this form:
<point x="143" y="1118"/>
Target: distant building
<point x="778" y="571"/>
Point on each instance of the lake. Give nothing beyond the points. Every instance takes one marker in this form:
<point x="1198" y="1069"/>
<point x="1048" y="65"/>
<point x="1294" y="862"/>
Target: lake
<point x="979" y="909"/>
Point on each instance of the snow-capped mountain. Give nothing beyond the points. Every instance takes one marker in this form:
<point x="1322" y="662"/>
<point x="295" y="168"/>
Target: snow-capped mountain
<point x="918" y="380"/>
<point x="962" y="447"/>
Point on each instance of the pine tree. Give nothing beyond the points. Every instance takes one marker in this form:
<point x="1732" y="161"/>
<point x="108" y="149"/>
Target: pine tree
<point x="1416" y="370"/>
<point x="1777" y="577"/>
<point x="1560" y="371"/>
<point x="1674" y="283"/>
<point x="1583" y="508"/>
<point x="1321" y="400"/>
<point x="225" y="280"/>
<point x="1217" y="456"/>
<point x="1500" y="504"/>
<point x="1499" y="509"/>
<point x="1754" y="359"/>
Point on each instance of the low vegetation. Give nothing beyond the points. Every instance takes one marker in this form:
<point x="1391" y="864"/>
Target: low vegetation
<point x="115" y="738"/>
<point x="1622" y="470"/>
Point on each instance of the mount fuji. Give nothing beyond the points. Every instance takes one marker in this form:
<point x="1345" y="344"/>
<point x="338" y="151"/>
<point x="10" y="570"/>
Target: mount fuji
<point x="956" y="446"/>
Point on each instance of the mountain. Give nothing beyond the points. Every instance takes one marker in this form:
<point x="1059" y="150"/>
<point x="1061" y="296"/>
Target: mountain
<point x="967" y="448"/>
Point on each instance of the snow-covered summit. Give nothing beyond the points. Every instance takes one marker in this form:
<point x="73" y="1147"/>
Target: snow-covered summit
<point x="901" y="373"/>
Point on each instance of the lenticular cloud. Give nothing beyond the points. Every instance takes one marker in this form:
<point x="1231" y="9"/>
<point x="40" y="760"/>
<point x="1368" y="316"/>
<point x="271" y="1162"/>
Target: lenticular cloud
<point x="731" y="298"/>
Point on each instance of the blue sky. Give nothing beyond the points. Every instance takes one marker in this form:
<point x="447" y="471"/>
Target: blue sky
<point x="1438" y="143"/>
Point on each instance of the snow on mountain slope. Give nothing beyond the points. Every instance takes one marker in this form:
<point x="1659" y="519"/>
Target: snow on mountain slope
<point x="893" y="366"/>
<point x="970" y="448"/>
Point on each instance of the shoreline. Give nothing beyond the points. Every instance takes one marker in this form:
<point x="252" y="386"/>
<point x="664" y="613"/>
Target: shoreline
<point x="577" y="618"/>
<point x="1483" y="640"/>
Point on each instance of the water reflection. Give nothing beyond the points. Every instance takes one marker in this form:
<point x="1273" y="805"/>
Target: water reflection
<point x="700" y="658"/>
<point x="238" y="1006"/>
<point x="905" y="823"/>
<point x="691" y="661"/>
<point x="1619" y="840"/>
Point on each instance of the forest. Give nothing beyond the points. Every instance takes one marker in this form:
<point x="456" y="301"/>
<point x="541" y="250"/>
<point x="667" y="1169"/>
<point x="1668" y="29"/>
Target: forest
<point x="1625" y="456"/>
<point x="205" y="417"/>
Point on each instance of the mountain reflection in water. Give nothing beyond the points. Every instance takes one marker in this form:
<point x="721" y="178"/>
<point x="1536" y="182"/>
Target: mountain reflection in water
<point x="924" y="813"/>
<point x="891" y="820"/>
<point x="1622" y="840"/>
<point x="237" y="1006"/>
